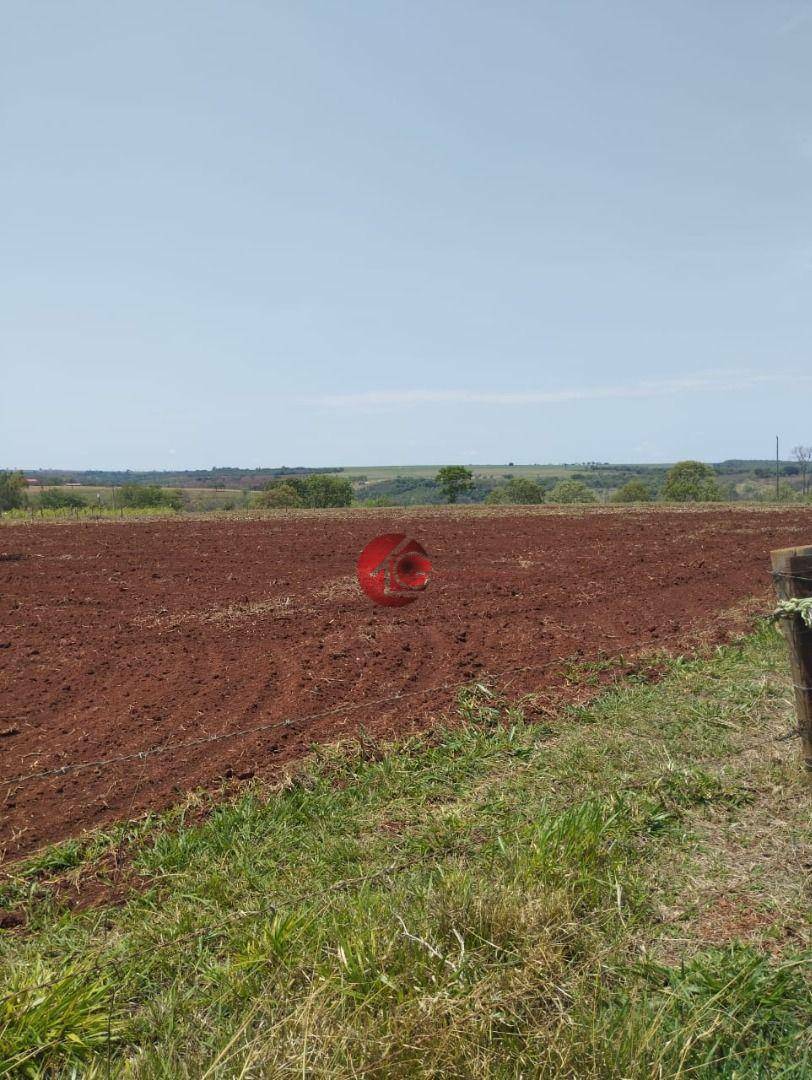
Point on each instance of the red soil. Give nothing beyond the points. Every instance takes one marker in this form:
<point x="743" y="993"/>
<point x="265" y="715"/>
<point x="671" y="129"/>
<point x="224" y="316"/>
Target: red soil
<point x="120" y="637"/>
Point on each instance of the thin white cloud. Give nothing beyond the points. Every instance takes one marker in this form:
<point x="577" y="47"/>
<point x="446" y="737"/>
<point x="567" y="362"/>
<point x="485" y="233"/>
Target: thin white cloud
<point x="729" y="382"/>
<point x="793" y="23"/>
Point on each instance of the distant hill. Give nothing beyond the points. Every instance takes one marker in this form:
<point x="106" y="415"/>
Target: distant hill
<point x="407" y="485"/>
<point x="218" y="477"/>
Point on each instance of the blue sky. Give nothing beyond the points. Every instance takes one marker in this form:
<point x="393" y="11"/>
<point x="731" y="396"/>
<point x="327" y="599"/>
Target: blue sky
<point x="358" y="233"/>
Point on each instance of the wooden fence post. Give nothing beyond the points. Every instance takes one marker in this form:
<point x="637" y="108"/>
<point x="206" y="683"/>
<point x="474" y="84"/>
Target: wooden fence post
<point x="792" y="573"/>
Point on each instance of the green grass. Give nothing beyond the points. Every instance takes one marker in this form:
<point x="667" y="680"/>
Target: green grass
<point x="486" y="900"/>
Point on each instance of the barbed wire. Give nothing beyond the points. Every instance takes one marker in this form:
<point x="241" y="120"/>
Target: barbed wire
<point x="572" y="659"/>
<point x="791" y="576"/>
<point x="456" y="684"/>
<point x="291" y="721"/>
<point x="345" y="707"/>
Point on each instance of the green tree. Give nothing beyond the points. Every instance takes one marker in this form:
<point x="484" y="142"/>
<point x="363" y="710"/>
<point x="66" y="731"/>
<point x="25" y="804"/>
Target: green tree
<point x="12" y="490"/>
<point x="572" y="491"/>
<point x="139" y="496"/>
<point x="322" y="490"/>
<point x="279" y="496"/>
<point x="633" y="491"/>
<point x="454" y="480"/>
<point x="691" y="481"/>
<point x="61" y="500"/>
<point x="522" y="490"/>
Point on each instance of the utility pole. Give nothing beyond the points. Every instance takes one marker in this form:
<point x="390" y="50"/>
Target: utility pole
<point x="777" y="493"/>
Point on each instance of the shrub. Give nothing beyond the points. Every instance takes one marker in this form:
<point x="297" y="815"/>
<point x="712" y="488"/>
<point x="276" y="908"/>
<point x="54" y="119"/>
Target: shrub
<point x="572" y="491"/>
<point x="691" y="481"/>
<point x="12" y="490"/>
<point x="146" y="496"/>
<point x="317" y="491"/>
<point x="749" y="491"/>
<point x="61" y="500"/>
<point x="786" y="493"/>
<point x="279" y="496"/>
<point x="634" y="491"/>
<point x="517" y="490"/>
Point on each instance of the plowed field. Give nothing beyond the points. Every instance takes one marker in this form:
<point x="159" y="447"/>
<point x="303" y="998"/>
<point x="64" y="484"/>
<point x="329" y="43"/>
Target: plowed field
<point x="148" y="636"/>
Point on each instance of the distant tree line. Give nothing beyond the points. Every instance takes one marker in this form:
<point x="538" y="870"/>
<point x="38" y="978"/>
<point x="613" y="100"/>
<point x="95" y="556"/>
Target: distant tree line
<point x="14" y="496"/>
<point x="305" y="488"/>
<point x="687" y="481"/>
<point x="218" y="477"/>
